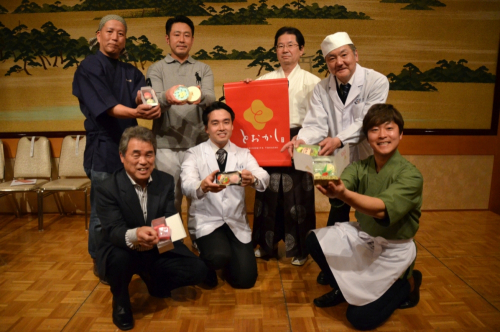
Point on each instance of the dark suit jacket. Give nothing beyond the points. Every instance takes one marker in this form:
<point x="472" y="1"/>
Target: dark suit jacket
<point x="119" y="210"/>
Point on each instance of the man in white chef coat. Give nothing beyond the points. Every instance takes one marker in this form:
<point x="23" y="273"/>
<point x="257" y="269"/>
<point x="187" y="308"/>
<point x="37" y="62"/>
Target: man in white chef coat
<point x="217" y="215"/>
<point x="337" y="108"/>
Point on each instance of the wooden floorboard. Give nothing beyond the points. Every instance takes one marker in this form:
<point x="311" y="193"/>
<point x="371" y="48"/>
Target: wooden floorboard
<point x="47" y="284"/>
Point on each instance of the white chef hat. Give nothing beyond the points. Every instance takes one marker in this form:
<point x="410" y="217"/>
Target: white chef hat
<point x="334" y="41"/>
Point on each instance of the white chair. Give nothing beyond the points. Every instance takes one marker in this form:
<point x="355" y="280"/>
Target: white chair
<point x="32" y="162"/>
<point x="72" y="176"/>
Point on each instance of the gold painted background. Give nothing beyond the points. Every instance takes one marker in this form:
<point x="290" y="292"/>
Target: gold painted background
<point x="463" y="29"/>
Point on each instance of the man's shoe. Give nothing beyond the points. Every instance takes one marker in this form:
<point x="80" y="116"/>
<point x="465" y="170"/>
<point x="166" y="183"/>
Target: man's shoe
<point x="211" y="280"/>
<point x="122" y="317"/>
<point x="299" y="261"/>
<point x="96" y="273"/>
<point x="414" y="297"/>
<point x="329" y="299"/>
<point x="321" y="279"/>
<point x="260" y="253"/>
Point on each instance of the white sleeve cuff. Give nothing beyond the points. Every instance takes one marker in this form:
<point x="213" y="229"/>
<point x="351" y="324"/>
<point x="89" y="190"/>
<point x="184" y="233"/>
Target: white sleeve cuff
<point x="199" y="192"/>
<point x="131" y="238"/>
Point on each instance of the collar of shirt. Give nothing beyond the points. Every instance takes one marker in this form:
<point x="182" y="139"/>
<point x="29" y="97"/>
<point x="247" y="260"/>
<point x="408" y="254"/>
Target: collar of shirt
<point x="215" y="148"/>
<point x="281" y="73"/>
<point x="169" y="59"/>
<point x="135" y="183"/>
<point x="350" y="81"/>
<point x="294" y="72"/>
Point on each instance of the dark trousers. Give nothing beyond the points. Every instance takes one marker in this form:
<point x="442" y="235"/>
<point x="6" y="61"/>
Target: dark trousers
<point x="222" y="250"/>
<point x="339" y="212"/>
<point x="373" y="314"/>
<point x="161" y="272"/>
<point x="285" y="210"/>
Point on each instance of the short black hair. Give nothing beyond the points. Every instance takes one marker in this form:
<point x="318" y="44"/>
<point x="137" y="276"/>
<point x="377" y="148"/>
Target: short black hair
<point x="137" y="132"/>
<point x="290" y="31"/>
<point x="179" y="19"/>
<point x="216" y="105"/>
<point x="382" y="113"/>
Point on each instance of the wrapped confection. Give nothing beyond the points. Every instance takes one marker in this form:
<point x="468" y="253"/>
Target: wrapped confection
<point x="181" y="93"/>
<point x="324" y="170"/>
<point x="194" y="94"/>
<point x="163" y="233"/>
<point x="228" y="178"/>
<point x="311" y="150"/>
<point x="148" y="96"/>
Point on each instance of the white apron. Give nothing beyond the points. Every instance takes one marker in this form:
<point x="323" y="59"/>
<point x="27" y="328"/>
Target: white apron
<point x="363" y="266"/>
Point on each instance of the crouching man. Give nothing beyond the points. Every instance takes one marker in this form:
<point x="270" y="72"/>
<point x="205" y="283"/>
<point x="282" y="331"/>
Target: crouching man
<point x="217" y="215"/>
<point x="127" y="202"/>
<point x="369" y="263"/>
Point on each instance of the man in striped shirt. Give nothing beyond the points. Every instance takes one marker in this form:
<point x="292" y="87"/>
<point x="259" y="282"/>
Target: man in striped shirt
<point x="127" y="202"/>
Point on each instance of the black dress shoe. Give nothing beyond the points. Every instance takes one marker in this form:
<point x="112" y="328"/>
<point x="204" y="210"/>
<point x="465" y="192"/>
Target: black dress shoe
<point x="414" y="297"/>
<point x="211" y="280"/>
<point x="329" y="299"/>
<point x="122" y="317"/>
<point x="321" y="279"/>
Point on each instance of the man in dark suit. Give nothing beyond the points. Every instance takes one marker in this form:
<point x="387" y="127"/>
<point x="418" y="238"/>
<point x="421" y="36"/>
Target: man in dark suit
<point x="127" y="202"/>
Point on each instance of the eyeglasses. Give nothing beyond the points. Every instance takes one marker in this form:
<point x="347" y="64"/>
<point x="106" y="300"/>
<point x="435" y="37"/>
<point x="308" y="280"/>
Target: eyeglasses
<point x="281" y="47"/>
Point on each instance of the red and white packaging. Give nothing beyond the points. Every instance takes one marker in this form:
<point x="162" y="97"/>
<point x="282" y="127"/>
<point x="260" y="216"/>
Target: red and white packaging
<point x="164" y="235"/>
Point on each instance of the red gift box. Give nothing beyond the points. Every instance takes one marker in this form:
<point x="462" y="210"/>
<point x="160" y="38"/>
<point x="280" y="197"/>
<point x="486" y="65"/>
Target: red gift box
<point x="262" y="122"/>
<point x="163" y="232"/>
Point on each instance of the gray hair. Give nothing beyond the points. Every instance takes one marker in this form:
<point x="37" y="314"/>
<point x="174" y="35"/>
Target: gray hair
<point x="93" y="41"/>
<point x="137" y="132"/>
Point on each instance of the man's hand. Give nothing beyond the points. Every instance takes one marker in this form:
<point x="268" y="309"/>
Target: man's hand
<point x="292" y="144"/>
<point x="247" y="178"/>
<point x="334" y="189"/>
<point x="208" y="184"/>
<point x="169" y="95"/>
<point x="329" y="145"/>
<point x="247" y="80"/>
<point x="145" y="111"/>
<point x="146" y="236"/>
<point x="153" y="113"/>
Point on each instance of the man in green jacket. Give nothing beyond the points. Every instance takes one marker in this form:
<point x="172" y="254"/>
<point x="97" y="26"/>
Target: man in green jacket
<point x="369" y="263"/>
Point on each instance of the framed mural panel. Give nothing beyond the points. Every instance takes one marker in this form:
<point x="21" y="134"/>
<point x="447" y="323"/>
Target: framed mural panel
<point x="440" y="56"/>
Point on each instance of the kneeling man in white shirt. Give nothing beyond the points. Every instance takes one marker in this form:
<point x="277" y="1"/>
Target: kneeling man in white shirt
<point x="217" y="215"/>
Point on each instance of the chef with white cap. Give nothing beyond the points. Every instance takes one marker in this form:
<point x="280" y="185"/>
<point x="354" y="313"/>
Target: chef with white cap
<point x="339" y="102"/>
<point x="337" y="107"/>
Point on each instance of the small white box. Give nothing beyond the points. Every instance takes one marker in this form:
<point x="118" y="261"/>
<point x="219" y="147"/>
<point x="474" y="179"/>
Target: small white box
<point x="148" y="96"/>
<point x="340" y="160"/>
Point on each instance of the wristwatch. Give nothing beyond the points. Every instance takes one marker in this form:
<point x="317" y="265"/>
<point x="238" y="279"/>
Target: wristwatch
<point x="255" y="181"/>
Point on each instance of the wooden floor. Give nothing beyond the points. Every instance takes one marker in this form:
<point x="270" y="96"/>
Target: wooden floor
<point x="47" y="284"/>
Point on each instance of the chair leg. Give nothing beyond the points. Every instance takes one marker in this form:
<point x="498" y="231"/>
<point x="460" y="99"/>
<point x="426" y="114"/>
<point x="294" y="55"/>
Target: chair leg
<point x="14" y="204"/>
<point x="59" y="204"/>
<point x="86" y="214"/>
<point x="40" y="210"/>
